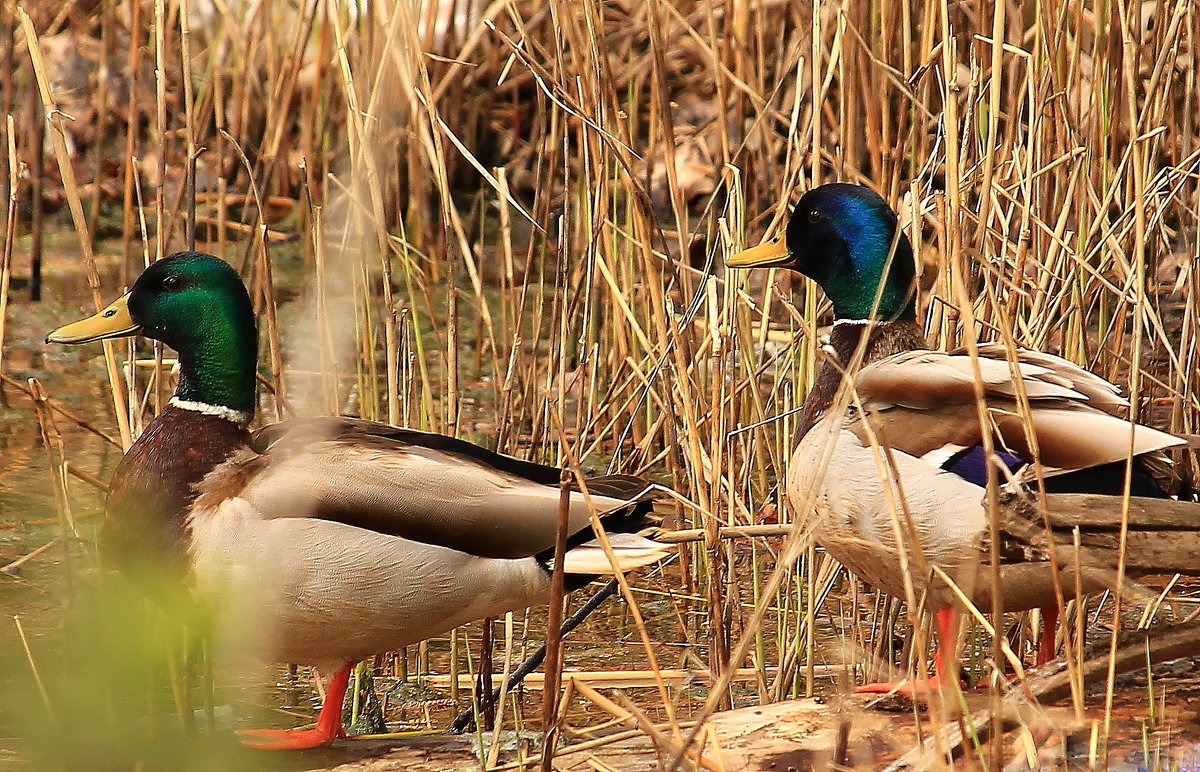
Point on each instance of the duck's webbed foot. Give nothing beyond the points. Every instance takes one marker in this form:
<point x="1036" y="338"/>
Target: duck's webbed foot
<point x="328" y="728"/>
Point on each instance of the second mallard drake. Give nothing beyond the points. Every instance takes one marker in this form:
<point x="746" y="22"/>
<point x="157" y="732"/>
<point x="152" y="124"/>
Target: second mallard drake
<point x="896" y="473"/>
<point x="323" y="541"/>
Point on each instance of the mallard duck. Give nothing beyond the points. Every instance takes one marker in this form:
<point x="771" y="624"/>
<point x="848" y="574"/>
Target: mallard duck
<point x="327" y="540"/>
<point x="924" y="492"/>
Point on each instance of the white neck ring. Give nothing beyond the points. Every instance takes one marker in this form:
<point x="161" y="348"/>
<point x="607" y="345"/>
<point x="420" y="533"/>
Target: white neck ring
<point x="239" y="417"/>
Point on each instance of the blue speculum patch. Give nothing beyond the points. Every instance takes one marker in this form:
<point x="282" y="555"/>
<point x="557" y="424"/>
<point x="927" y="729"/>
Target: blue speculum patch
<point x="971" y="463"/>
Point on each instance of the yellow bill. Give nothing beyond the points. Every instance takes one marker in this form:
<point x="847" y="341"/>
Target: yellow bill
<point x="112" y="322"/>
<point x="769" y="254"/>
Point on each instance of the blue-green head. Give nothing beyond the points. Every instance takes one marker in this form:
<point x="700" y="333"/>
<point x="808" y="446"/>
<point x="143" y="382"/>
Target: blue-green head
<point x="841" y="236"/>
<point x="197" y="305"/>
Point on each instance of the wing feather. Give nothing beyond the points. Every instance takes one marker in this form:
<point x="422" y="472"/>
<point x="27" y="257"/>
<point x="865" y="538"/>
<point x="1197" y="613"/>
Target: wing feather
<point x="923" y="403"/>
<point x="425" y="487"/>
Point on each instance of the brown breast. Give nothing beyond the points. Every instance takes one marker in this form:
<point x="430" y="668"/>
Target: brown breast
<point x="145" y="529"/>
<point x="883" y="340"/>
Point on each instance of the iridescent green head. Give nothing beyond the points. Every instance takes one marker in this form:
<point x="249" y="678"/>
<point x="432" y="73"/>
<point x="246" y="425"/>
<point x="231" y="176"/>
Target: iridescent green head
<point x="841" y="236"/>
<point x="197" y="305"/>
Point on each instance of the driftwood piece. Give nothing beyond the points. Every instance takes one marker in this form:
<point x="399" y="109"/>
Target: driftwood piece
<point x="1093" y="511"/>
<point x="1163" y="535"/>
<point x="1158" y="553"/>
<point x="1053" y="681"/>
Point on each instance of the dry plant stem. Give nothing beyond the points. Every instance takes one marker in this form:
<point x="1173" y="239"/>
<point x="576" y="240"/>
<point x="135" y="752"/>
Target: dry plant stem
<point x="58" y="136"/>
<point x="37" y="193"/>
<point x="57" y="408"/>
<point x="991" y="500"/>
<point x="7" y="68"/>
<point x="534" y="661"/>
<point x="37" y="676"/>
<point x="189" y="101"/>
<point x="53" y="520"/>
<point x="626" y="591"/>
<point x="129" y="161"/>
<point x="553" y="632"/>
<point x="686" y="535"/>
<point x="497" y="697"/>
<point x="10" y="219"/>
<point x="717" y="556"/>
<point x="625" y="679"/>
<point x="623" y="709"/>
<point x="788" y="554"/>
<point x="483" y="675"/>
<point x="160" y="113"/>
<point x="1139" y="286"/>
<point x="274" y="347"/>
<point x="52" y="440"/>
<point x="1023" y="405"/>
<point x="662" y="742"/>
<point x="14" y="568"/>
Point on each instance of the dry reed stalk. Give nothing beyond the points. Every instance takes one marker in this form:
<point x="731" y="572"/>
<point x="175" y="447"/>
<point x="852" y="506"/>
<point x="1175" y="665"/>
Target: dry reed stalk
<point x="10" y="228"/>
<point x="616" y="679"/>
<point x="494" y="749"/>
<point x="37" y="676"/>
<point x="160" y="121"/>
<point x="626" y="592"/>
<point x="554" y="621"/>
<point x="8" y="181"/>
<point x="52" y="439"/>
<point x="58" y="136"/>
<point x="59" y="409"/>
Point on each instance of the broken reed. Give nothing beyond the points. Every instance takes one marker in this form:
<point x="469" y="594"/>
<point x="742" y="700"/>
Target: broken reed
<point x="495" y="233"/>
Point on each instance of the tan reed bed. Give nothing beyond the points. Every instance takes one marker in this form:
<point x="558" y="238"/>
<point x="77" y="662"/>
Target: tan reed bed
<point x="506" y="221"/>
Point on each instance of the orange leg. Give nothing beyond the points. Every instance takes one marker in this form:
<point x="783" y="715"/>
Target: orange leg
<point x="328" y="728"/>
<point x="1046" y="648"/>
<point x="947" y="618"/>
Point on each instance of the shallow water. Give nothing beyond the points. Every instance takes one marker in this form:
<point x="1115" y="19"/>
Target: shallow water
<point x="74" y="377"/>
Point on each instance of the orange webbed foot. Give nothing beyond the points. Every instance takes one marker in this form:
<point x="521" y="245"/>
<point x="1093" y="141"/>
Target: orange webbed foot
<point x="287" y="739"/>
<point x="922" y="687"/>
<point x="328" y="728"/>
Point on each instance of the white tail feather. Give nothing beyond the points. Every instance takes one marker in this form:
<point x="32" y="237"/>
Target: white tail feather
<point x="631" y="551"/>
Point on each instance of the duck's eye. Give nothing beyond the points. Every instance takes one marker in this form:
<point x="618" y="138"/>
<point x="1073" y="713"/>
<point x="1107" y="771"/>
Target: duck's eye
<point x="172" y="283"/>
<point x="815" y="217"/>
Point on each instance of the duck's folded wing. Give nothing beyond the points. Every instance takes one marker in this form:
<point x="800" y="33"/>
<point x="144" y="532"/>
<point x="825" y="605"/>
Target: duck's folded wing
<point x="426" y="487"/>
<point x="924" y="404"/>
<point x="929" y="379"/>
